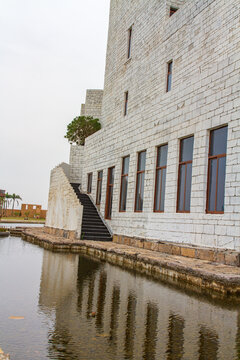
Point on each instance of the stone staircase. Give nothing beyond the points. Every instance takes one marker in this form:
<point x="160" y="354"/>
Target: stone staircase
<point x="93" y="227"/>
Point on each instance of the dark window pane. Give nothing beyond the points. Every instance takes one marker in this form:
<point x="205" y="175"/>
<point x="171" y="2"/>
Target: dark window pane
<point x="125" y="165"/>
<point x="99" y="188"/>
<point x="157" y="195"/>
<point x="140" y="192"/>
<point x="110" y="202"/>
<point x="170" y="67"/>
<point x="111" y="177"/>
<point x="109" y="195"/>
<point x="218" y="141"/>
<point x="124" y="193"/>
<point x="212" y="185"/>
<point x="163" y="189"/>
<point x="162" y="155"/>
<point x="142" y="189"/>
<point x="221" y="183"/>
<point x="141" y="160"/>
<point x="172" y="11"/>
<point x="188" y="187"/>
<point x="89" y="185"/>
<point x="169" y="82"/>
<point x="129" y="42"/>
<point x="186" y="149"/>
<point x="181" y="188"/>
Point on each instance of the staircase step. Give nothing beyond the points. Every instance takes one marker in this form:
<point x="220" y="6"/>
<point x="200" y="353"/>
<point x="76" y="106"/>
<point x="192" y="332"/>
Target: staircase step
<point x="93" y="228"/>
<point x="96" y="238"/>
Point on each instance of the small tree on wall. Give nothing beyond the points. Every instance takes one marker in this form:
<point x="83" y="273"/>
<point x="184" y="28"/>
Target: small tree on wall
<point x="80" y="128"/>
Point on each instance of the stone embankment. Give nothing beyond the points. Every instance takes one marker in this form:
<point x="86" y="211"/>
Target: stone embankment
<point x="196" y="273"/>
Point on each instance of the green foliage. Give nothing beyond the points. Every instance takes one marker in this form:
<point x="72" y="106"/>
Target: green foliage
<point x="80" y="128"/>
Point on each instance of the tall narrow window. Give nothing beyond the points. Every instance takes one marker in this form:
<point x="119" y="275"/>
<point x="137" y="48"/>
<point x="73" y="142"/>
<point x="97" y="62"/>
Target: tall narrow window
<point x="89" y="183"/>
<point x="125" y="103"/>
<point x="160" y="181"/>
<point x="216" y="170"/>
<point x="109" y="195"/>
<point x="185" y="175"/>
<point x="99" y="187"/>
<point x="172" y="10"/>
<point x="124" y="184"/>
<point x="129" y="42"/>
<point x="140" y="181"/>
<point x="169" y="75"/>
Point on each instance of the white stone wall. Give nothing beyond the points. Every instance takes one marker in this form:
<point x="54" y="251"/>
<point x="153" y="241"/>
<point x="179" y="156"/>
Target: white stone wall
<point x="76" y="162"/>
<point x="64" y="209"/>
<point x="93" y="103"/>
<point x="202" y="39"/>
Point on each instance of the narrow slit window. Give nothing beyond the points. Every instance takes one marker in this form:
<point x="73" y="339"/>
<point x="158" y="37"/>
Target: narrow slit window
<point x="129" y="42"/>
<point x="160" y="182"/>
<point x="185" y="175"/>
<point x="172" y="10"/>
<point x="124" y="184"/>
<point x="125" y="103"/>
<point x="140" y="181"/>
<point x="89" y="183"/>
<point x="169" y="75"/>
<point x="109" y="195"/>
<point x="99" y="187"/>
<point x="216" y="170"/>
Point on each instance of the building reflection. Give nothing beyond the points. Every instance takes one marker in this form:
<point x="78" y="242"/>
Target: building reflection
<point x="208" y="341"/>
<point x="115" y="303"/>
<point x="151" y="325"/>
<point x="101" y="300"/>
<point x="95" y="308"/>
<point x="175" y="337"/>
<point x="130" y="326"/>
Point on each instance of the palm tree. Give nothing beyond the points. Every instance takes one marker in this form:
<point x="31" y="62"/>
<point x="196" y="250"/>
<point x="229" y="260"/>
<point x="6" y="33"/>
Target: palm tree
<point x="14" y="198"/>
<point x="7" y="200"/>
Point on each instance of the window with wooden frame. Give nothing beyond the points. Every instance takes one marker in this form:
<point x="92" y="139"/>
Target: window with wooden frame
<point x="109" y="194"/>
<point x="172" y="10"/>
<point x="140" y="181"/>
<point x="160" y="181"/>
<point x="89" y="183"/>
<point x="99" y="187"/>
<point x="125" y="103"/>
<point x="185" y="175"/>
<point x="129" y="42"/>
<point x="216" y="170"/>
<point x="169" y="75"/>
<point x="124" y="184"/>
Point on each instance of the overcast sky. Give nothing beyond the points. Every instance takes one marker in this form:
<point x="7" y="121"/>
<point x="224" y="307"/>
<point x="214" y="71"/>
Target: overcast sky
<point x="51" y="51"/>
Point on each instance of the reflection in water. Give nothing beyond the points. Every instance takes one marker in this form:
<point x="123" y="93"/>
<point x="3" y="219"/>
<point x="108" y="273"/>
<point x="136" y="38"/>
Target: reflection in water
<point x="86" y="270"/>
<point x="114" y="314"/>
<point x="91" y="285"/>
<point x="130" y="310"/>
<point x="130" y="326"/>
<point x="101" y="300"/>
<point x="176" y="338"/>
<point x="238" y="337"/>
<point x="208" y="344"/>
<point x="151" y="332"/>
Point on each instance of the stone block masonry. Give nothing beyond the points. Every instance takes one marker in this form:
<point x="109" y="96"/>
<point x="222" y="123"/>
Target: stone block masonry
<point x="202" y="40"/>
<point x="64" y="209"/>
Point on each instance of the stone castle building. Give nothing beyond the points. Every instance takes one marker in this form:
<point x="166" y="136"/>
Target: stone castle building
<point x="166" y="164"/>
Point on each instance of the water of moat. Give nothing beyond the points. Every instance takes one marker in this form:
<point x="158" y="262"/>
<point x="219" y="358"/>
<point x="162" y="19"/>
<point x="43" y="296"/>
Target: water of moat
<point x="77" y="307"/>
